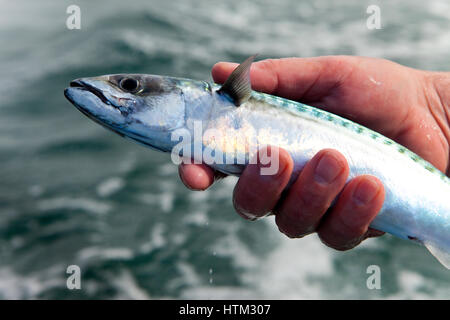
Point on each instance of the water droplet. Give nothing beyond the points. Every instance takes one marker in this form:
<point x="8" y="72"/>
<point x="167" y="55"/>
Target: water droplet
<point x="210" y="276"/>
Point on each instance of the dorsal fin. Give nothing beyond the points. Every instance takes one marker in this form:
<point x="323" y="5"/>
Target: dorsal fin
<point x="238" y="86"/>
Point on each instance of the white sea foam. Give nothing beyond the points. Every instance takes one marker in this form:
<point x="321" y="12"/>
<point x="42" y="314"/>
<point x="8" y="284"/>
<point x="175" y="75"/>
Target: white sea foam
<point x="86" y="204"/>
<point x="164" y="200"/>
<point x="110" y="186"/>
<point x="16" y="286"/>
<point x="413" y="285"/>
<point x="198" y="218"/>
<point x="287" y="271"/>
<point x="127" y="287"/>
<point x="157" y="239"/>
<point x="104" y="254"/>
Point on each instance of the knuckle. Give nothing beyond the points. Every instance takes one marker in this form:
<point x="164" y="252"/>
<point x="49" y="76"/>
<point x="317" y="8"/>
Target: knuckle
<point x="354" y="221"/>
<point x="268" y="64"/>
<point x="314" y="198"/>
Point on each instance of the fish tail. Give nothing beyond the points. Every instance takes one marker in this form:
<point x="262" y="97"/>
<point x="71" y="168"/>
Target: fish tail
<point x="441" y="254"/>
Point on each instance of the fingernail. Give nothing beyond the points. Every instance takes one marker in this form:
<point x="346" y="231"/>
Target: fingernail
<point x="327" y="170"/>
<point x="366" y="191"/>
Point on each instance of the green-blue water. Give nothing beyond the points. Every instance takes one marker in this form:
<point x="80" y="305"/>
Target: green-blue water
<point x="74" y="193"/>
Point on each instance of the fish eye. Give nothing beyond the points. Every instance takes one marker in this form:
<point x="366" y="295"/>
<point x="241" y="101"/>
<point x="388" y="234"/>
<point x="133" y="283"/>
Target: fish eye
<point x="129" y="84"/>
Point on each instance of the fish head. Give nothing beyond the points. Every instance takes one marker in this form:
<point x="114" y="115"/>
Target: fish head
<point x="146" y="108"/>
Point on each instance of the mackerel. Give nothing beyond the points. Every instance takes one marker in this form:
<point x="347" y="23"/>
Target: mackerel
<point x="152" y="110"/>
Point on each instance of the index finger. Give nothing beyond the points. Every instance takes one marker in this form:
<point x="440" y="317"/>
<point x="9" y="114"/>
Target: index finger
<point x="306" y="79"/>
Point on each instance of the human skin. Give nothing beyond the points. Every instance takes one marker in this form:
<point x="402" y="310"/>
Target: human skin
<point x="407" y="105"/>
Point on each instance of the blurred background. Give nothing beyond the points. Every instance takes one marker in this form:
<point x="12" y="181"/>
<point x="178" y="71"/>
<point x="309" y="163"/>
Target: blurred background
<point x="71" y="192"/>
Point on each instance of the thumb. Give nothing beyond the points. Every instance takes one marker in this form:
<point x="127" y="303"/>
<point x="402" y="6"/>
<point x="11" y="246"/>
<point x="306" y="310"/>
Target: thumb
<point x="305" y="79"/>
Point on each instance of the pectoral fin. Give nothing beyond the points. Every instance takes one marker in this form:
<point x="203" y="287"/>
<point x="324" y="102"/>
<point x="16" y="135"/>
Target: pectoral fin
<point x="238" y="86"/>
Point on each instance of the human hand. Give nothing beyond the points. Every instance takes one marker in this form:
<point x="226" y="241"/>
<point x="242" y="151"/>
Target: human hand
<point x="409" y="106"/>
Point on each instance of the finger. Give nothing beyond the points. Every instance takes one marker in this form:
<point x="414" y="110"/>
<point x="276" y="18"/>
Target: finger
<point x="348" y="222"/>
<point x="257" y="193"/>
<point x="319" y="183"/>
<point x="306" y="79"/>
<point x="196" y="176"/>
<point x="373" y="233"/>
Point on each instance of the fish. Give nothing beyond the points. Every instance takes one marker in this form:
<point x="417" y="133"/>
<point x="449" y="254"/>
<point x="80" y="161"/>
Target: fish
<point x="227" y="125"/>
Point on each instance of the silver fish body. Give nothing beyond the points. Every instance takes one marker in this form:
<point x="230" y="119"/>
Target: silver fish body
<point x="417" y="202"/>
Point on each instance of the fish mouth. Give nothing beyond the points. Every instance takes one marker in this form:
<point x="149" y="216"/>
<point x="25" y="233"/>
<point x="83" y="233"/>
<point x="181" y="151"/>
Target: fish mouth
<point x="86" y="86"/>
<point x="81" y="85"/>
